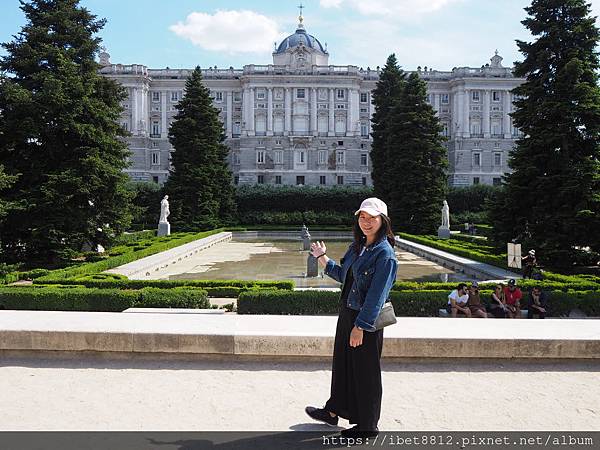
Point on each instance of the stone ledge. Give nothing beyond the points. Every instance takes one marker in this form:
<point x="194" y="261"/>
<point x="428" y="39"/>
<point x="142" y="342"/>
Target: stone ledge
<point x="292" y="336"/>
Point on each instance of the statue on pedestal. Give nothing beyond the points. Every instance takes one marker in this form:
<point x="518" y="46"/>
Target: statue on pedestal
<point x="164" y="227"/>
<point x="444" y="229"/>
<point x="445" y="215"/>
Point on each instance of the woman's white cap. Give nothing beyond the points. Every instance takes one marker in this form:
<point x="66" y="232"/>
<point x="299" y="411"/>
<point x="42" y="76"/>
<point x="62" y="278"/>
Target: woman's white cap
<point x="373" y="206"/>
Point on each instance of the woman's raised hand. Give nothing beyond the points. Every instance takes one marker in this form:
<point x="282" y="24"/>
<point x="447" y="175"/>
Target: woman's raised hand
<point x="317" y="249"/>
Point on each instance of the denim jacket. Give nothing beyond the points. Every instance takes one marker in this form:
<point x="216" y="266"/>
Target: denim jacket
<point x="374" y="274"/>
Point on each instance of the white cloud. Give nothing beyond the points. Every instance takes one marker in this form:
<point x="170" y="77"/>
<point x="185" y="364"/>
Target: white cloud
<point x="230" y="31"/>
<point x="440" y="49"/>
<point x="396" y="9"/>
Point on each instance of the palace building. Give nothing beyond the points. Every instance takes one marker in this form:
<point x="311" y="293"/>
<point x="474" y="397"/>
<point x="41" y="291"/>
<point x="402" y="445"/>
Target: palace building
<point x="302" y="121"/>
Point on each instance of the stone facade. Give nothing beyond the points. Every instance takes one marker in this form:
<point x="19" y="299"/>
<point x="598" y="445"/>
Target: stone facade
<point x="303" y="121"/>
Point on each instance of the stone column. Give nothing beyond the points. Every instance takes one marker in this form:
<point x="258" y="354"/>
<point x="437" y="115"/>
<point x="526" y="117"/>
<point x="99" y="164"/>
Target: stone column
<point x="270" y="112"/>
<point x="288" y="111"/>
<point x="251" y="130"/>
<point x="466" y="113"/>
<point x="229" y="120"/>
<point x="457" y="113"/>
<point x="163" y="114"/>
<point x="355" y="110"/>
<point x="144" y="113"/>
<point x="486" y="114"/>
<point x="135" y="112"/>
<point x="505" y="111"/>
<point x="349" y="119"/>
<point x="331" y="131"/>
<point x="313" y="111"/>
<point x="245" y="95"/>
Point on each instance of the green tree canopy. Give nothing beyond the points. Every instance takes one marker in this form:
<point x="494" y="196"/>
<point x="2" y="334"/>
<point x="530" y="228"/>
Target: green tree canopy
<point x="200" y="188"/>
<point x="60" y="131"/>
<point x="417" y="161"/>
<point x="551" y="200"/>
<point x="385" y="95"/>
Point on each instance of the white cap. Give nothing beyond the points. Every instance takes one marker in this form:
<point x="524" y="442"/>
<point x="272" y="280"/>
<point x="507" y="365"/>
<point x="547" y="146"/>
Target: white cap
<point x="373" y="206"/>
<point x="532" y="252"/>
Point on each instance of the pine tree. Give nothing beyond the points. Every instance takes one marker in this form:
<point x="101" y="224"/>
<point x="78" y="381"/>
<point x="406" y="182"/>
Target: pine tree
<point x="417" y="161"/>
<point x="385" y="94"/>
<point x="60" y="131"/>
<point x="200" y="188"/>
<point x="551" y="200"/>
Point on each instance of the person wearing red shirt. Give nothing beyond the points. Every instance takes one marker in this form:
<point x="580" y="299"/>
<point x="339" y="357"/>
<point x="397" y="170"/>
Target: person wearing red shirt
<point x="513" y="296"/>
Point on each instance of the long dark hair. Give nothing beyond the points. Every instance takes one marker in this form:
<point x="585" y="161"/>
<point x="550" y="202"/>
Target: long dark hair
<point x="384" y="231"/>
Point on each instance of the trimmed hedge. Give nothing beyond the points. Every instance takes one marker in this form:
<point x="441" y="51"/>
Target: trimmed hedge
<point x="292" y="218"/>
<point x="424" y="303"/>
<point x="460" y="248"/>
<point x="479" y="252"/>
<point x="285" y="198"/>
<point x="214" y="288"/>
<point x="524" y="285"/>
<point x="127" y="238"/>
<point x="137" y="251"/>
<point x="79" y="298"/>
<point x="406" y="303"/>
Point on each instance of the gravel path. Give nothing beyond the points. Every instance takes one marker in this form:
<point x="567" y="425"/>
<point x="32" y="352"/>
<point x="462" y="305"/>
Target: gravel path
<point x="88" y="393"/>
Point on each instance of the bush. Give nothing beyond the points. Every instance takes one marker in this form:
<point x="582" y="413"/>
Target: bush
<point x="423" y="303"/>
<point x="215" y="288"/>
<point x="127" y="238"/>
<point x="78" y="298"/>
<point x="406" y="303"/>
<point x="71" y="298"/>
<point x="297" y="218"/>
<point x="470" y="199"/>
<point x="342" y="199"/>
<point x="173" y="298"/>
<point x="469" y="250"/>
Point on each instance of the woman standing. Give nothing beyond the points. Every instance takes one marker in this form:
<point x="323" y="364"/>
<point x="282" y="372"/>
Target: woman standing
<point x="368" y="272"/>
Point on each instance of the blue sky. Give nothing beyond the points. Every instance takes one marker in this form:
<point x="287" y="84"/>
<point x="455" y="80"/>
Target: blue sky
<point x="184" y="33"/>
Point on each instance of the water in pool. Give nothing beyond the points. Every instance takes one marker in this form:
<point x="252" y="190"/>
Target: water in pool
<point x="284" y="260"/>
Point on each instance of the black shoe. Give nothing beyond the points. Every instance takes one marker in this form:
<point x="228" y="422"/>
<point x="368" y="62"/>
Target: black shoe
<point x="321" y="415"/>
<point x="356" y="432"/>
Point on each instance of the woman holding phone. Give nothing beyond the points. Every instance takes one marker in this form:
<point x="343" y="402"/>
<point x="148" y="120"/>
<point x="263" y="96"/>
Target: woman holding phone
<point x="367" y="271"/>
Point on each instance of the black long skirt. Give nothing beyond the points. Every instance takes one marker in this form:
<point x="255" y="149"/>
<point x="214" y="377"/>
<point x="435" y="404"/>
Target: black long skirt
<point x="356" y="374"/>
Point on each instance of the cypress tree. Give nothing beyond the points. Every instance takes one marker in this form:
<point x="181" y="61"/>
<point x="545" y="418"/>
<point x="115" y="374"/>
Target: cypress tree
<point x="385" y="94"/>
<point x="60" y="132"/>
<point x="200" y="188"/>
<point x="551" y="200"/>
<point x="417" y="163"/>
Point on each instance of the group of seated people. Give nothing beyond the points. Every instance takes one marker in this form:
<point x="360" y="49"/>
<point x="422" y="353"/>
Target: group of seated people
<point x="505" y="302"/>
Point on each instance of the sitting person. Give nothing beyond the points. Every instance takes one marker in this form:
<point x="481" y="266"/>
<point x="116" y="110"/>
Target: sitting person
<point x="537" y="303"/>
<point x="458" y="301"/>
<point x="498" y="307"/>
<point x="474" y="302"/>
<point x="513" y="295"/>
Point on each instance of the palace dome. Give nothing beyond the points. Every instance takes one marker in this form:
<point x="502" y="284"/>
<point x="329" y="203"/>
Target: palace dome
<point x="300" y="37"/>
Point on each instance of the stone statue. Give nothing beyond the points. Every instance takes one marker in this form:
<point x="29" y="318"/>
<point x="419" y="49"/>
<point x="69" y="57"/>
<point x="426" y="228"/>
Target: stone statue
<point x="446" y="215"/>
<point x="164" y="210"/>
<point x="444" y="229"/>
<point x="164" y="227"/>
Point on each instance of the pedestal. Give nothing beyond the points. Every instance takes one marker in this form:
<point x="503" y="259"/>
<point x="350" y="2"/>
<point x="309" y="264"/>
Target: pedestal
<point x="164" y="229"/>
<point x="312" y="266"/>
<point x="444" y="233"/>
<point x="306" y="243"/>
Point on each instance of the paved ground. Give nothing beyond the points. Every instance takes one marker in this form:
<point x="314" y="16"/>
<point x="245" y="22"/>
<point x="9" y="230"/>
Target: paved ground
<point x="221" y="394"/>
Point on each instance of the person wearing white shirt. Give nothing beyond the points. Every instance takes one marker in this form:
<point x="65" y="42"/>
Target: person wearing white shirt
<point x="458" y="301"/>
